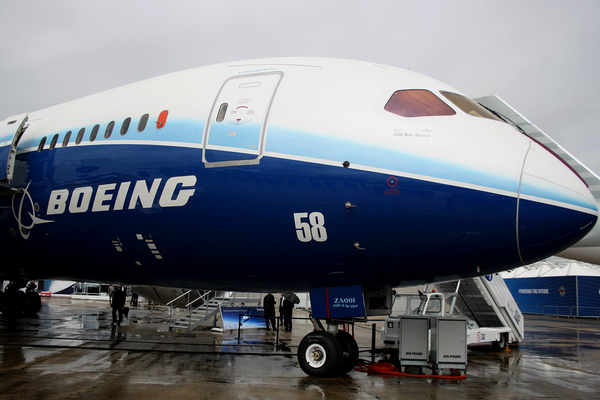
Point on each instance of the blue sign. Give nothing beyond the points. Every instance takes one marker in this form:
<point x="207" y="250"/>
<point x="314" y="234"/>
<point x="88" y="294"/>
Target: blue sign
<point x="252" y="317"/>
<point x="337" y="302"/>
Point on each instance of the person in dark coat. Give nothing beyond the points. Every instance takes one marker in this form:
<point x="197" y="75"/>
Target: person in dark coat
<point x="281" y="310"/>
<point x="110" y="291"/>
<point x="118" y="302"/>
<point x="269" y="305"/>
<point x="134" y="299"/>
<point x="31" y="286"/>
<point x="288" y="308"/>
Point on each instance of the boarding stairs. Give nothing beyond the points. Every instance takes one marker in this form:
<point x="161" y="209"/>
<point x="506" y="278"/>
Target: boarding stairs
<point x="487" y="301"/>
<point x="206" y="309"/>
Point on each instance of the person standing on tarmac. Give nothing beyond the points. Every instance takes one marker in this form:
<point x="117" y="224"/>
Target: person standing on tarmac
<point x="31" y="286"/>
<point x="111" y="291"/>
<point x="134" y="299"/>
<point x="269" y="306"/>
<point x="288" y="308"/>
<point x="118" y="302"/>
<point x="281" y="299"/>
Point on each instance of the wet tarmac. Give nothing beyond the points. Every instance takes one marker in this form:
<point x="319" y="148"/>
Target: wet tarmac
<point x="69" y="351"/>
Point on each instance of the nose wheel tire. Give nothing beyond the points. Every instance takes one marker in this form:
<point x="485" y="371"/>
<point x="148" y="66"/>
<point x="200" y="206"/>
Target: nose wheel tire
<point x="320" y="354"/>
<point x="350" y="349"/>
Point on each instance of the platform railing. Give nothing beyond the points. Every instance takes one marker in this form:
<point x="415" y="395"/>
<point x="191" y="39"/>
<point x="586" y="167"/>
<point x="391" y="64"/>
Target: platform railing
<point x="563" y="311"/>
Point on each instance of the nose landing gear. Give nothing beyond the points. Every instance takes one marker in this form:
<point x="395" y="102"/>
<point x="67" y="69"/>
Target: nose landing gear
<point x="320" y="354"/>
<point x="327" y="353"/>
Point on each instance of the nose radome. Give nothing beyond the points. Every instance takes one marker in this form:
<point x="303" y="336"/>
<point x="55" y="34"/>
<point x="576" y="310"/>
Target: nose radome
<point x="556" y="209"/>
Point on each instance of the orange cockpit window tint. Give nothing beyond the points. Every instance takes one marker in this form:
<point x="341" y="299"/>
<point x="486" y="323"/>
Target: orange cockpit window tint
<point x="417" y="103"/>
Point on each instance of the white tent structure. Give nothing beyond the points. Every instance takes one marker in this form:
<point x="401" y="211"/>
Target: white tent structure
<point x="556" y="286"/>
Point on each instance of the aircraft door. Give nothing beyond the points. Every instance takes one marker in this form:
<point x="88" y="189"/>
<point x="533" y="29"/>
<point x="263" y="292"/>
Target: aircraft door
<point x="11" y="131"/>
<point x="235" y="132"/>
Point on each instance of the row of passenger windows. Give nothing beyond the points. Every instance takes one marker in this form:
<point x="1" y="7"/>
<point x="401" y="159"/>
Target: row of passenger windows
<point x="142" y="123"/>
<point x="423" y="103"/>
<point x="406" y="103"/>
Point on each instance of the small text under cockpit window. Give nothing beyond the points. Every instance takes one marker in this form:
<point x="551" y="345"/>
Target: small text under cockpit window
<point x="417" y="103"/>
<point x="469" y="106"/>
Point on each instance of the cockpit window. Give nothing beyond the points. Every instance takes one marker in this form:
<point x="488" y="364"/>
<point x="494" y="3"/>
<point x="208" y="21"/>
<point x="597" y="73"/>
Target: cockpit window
<point x="469" y="106"/>
<point x="417" y="103"/>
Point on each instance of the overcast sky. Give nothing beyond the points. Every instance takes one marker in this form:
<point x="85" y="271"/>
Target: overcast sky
<point x="542" y="57"/>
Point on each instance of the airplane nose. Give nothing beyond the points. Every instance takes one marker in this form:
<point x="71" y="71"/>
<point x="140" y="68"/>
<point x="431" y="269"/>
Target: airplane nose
<point x="555" y="209"/>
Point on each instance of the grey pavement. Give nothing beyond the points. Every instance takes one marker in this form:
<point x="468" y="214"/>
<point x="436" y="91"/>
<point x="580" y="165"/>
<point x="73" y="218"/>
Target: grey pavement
<point x="70" y="351"/>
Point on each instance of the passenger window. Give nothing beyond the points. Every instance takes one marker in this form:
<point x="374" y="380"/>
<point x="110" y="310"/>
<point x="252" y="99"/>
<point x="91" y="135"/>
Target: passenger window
<point x="222" y="112"/>
<point x="109" y="129"/>
<point x="66" y="139"/>
<point x="53" y="142"/>
<point x="125" y="126"/>
<point x="79" y="137"/>
<point x="417" y="103"/>
<point x="143" y="122"/>
<point x="94" y="133"/>
<point x="41" y="145"/>
<point x="469" y="106"/>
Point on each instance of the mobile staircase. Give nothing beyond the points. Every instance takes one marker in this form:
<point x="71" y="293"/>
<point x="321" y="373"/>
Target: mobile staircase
<point x="205" y="309"/>
<point x="432" y="329"/>
<point x="493" y="313"/>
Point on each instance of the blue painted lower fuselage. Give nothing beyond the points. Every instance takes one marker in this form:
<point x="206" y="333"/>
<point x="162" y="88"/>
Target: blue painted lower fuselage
<point x="280" y="224"/>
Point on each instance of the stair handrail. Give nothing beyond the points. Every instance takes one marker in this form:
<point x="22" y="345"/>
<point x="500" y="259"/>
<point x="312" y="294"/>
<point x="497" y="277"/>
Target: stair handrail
<point x="178" y="297"/>
<point x="455" y="297"/>
<point x="170" y="304"/>
<point x="219" y="300"/>
<point x="188" y="305"/>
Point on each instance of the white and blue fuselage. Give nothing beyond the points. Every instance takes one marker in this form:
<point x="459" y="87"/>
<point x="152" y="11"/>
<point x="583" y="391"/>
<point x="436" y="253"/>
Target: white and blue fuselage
<point x="281" y="174"/>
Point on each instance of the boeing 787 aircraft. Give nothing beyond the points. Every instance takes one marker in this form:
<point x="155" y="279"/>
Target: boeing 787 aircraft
<point x="281" y="174"/>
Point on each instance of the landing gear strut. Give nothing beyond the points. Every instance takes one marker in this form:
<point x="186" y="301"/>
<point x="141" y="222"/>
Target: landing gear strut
<point x="327" y="353"/>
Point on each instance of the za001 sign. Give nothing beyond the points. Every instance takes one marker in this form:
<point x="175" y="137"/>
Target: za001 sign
<point x="313" y="229"/>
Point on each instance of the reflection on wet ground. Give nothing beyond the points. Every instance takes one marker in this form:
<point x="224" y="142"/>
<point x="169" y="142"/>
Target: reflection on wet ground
<point x="71" y="351"/>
